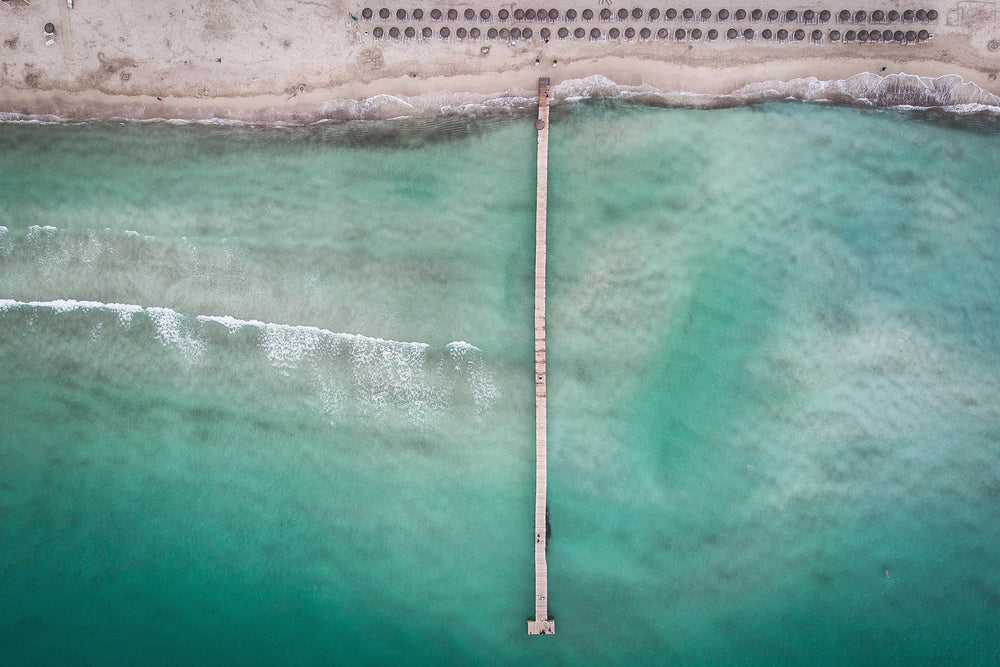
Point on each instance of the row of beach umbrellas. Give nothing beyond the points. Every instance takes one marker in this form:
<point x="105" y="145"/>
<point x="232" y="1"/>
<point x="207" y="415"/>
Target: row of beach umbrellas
<point x="791" y="15"/>
<point x="663" y="34"/>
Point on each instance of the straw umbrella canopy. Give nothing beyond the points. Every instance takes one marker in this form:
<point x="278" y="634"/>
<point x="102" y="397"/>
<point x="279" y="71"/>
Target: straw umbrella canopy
<point x="645" y="33"/>
<point x="614" y="33"/>
<point x="553" y="14"/>
<point x="671" y="14"/>
<point x="637" y="13"/>
<point x="800" y="34"/>
<point x="444" y="32"/>
<point x="680" y="34"/>
<point x="417" y="14"/>
<point x="824" y="15"/>
<point x="756" y="15"/>
<point x="898" y="36"/>
<point x="563" y="33"/>
<point x="732" y="33"/>
<point x="475" y="33"/>
<point x="921" y="14"/>
<point x="878" y="16"/>
<point x="436" y="14"/>
<point x="410" y="32"/>
<point x="529" y="14"/>
<point x="653" y="14"/>
<point x="817" y="35"/>
<point x="860" y="16"/>
<point x="570" y="14"/>
<point x="588" y="14"/>
<point x="630" y="33"/>
<point x="470" y="14"/>
<point x="748" y="34"/>
<point x="696" y="34"/>
<point x="526" y="33"/>
<point x="579" y="33"/>
<point x="908" y="15"/>
<point x="400" y="14"/>
<point x="622" y="14"/>
<point x="911" y="35"/>
<point x="844" y="15"/>
<point x="595" y="33"/>
<point x="889" y="36"/>
<point x="503" y="14"/>
<point x="504" y="33"/>
<point x="863" y="35"/>
<point x="452" y="14"/>
<point x="706" y="14"/>
<point x="741" y="14"/>
<point x="515" y="33"/>
<point x="849" y="36"/>
<point x="782" y="34"/>
<point x="688" y="14"/>
<point x="383" y="13"/>
<point x="461" y="33"/>
<point x="834" y="35"/>
<point x="518" y="14"/>
<point x="367" y="13"/>
<point x="791" y="15"/>
<point x="808" y="15"/>
<point x="427" y="32"/>
<point x="605" y="14"/>
<point x="766" y="34"/>
<point x="893" y="16"/>
<point x="713" y="34"/>
<point x="544" y="33"/>
<point x="723" y="15"/>
<point x="394" y="32"/>
<point x="923" y="35"/>
<point x="932" y="15"/>
<point x="377" y="32"/>
<point x="662" y="33"/>
<point x="492" y="33"/>
<point x="485" y="15"/>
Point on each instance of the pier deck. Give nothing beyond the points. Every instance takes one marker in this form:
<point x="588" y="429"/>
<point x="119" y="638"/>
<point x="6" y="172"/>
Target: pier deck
<point x="542" y="625"/>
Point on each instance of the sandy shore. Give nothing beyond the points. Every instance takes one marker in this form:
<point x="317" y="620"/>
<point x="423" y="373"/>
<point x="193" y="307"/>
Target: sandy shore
<point x="265" y="60"/>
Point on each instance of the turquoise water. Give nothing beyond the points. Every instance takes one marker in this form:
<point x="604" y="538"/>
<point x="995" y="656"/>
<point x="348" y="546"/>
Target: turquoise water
<point x="267" y="393"/>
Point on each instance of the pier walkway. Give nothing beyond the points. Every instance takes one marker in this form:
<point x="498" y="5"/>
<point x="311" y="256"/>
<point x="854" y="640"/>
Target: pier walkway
<point x="542" y="625"/>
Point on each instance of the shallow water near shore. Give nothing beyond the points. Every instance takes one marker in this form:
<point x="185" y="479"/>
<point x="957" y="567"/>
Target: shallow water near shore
<point x="267" y="393"/>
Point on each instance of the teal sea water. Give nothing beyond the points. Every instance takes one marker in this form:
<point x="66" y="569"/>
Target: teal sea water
<point x="267" y="394"/>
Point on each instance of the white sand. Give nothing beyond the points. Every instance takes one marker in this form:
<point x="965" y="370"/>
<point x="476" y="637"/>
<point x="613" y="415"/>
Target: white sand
<point x="263" y="59"/>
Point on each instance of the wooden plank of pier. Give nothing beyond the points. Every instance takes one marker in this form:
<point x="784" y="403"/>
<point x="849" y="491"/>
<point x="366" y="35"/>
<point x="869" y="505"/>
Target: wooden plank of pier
<point x="542" y="625"/>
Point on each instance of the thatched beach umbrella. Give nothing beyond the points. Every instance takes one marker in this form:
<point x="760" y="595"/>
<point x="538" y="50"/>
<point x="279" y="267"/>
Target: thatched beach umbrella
<point x="452" y="14"/>
<point x="908" y="15"/>
<point x="732" y="33"/>
<point x="863" y="35"/>
<point x="526" y="33"/>
<point x="860" y="16"/>
<point x="878" y="16"/>
<point x="645" y="33"/>
<point x="410" y="32"/>
<point x="394" y="32"/>
<point x="622" y="14"/>
<point x="595" y="33"/>
<point x="782" y="34"/>
<point x="445" y="32"/>
<point x="384" y="13"/>
<point x="808" y="16"/>
<point x="671" y="14"/>
<point x="588" y="14"/>
<point x="849" y="36"/>
<point x="696" y="34"/>
<point x="378" y="32"/>
<point x="741" y="14"/>
<point x="630" y="33"/>
<point x="932" y="15"/>
<point x="470" y="14"/>
<point x="475" y="33"/>
<point x="400" y="14"/>
<point x="570" y="14"/>
<point x="518" y="14"/>
<point x="817" y="35"/>
<point x="417" y="14"/>
<point x="680" y="34"/>
<point x="824" y="16"/>
<point x="653" y="14"/>
<point x="800" y="34"/>
<point x="636" y="13"/>
<point x="706" y="14"/>
<point x="923" y="35"/>
<point x="791" y="15"/>
<point x="461" y="33"/>
<point x="898" y="36"/>
<point x="553" y="14"/>
<point x="614" y="33"/>
<point x="504" y="33"/>
<point x="544" y="33"/>
<point x="503" y="15"/>
<point x="844" y="15"/>
<point x="893" y="16"/>
<point x="766" y="34"/>
<point x="579" y="33"/>
<point x="515" y="33"/>
<point x="723" y="15"/>
<point x="485" y="15"/>
<point x="662" y="33"/>
<point x="492" y="33"/>
<point x="564" y="32"/>
<point x="529" y="14"/>
<point x="435" y="14"/>
<point x="427" y="32"/>
<point x="756" y="15"/>
<point x="367" y="13"/>
<point x="889" y="36"/>
<point x="748" y="34"/>
<point x="688" y="14"/>
<point x="713" y="35"/>
<point x="834" y="35"/>
<point x="911" y="35"/>
<point x="921" y="15"/>
<point x="605" y="14"/>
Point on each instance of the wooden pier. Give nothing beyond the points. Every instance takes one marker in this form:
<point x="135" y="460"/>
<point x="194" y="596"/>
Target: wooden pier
<point x="542" y="625"/>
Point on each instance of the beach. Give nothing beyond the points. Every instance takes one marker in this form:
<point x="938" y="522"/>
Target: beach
<point x="302" y="61"/>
